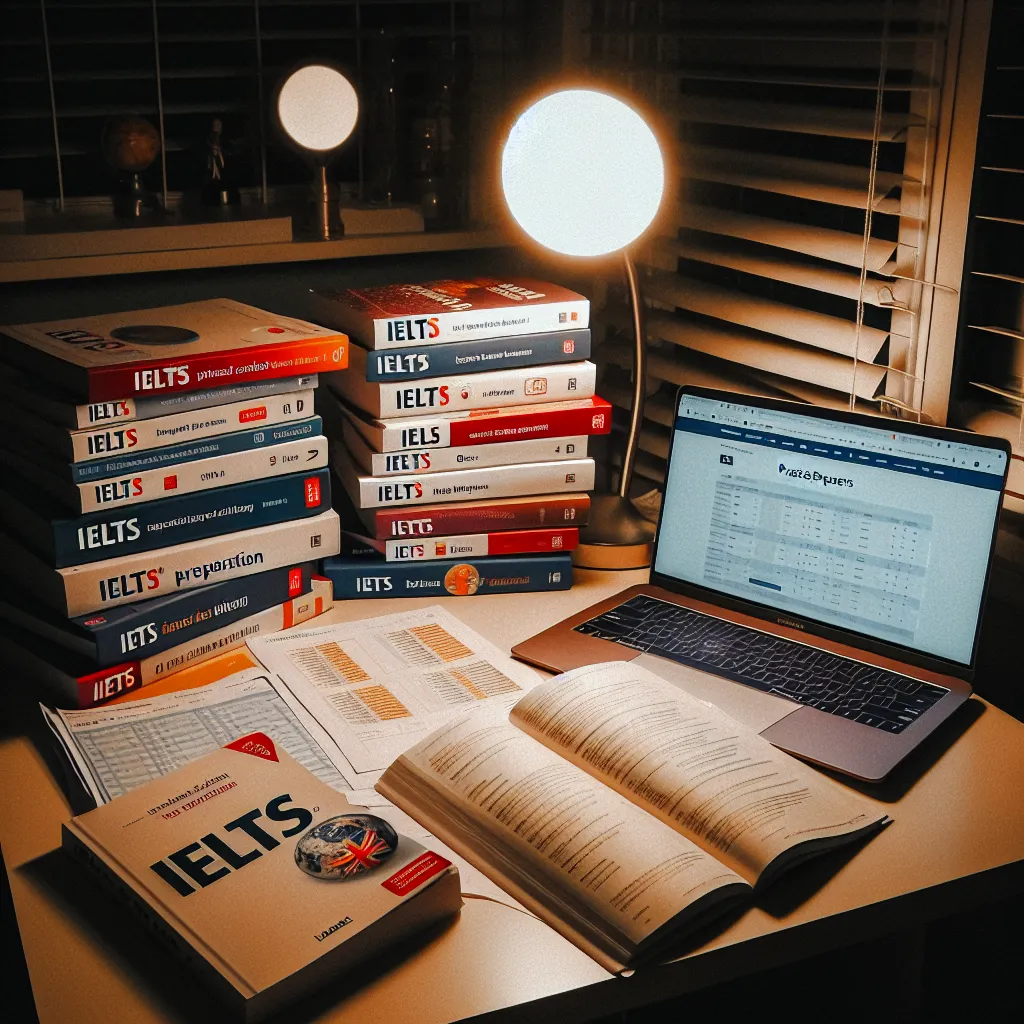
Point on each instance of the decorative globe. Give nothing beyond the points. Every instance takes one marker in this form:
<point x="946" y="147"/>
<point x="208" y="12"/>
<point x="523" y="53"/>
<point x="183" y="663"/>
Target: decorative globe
<point x="130" y="144"/>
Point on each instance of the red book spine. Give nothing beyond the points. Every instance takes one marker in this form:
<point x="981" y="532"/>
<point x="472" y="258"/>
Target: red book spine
<point x="100" y="687"/>
<point x="524" y="542"/>
<point x="214" y="369"/>
<point x="533" y="421"/>
<point x="488" y="517"/>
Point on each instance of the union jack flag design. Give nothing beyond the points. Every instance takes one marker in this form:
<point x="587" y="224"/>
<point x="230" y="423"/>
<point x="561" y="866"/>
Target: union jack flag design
<point x="346" y="846"/>
<point x="362" y="855"/>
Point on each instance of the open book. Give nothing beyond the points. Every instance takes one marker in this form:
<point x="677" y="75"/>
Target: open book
<point x="619" y="809"/>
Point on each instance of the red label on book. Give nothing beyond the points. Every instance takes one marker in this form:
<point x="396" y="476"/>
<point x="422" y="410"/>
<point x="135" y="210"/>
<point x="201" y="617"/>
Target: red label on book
<point x="100" y="687"/>
<point x="257" y="412"/>
<point x="259" y="744"/>
<point x="312" y="491"/>
<point x="483" y="426"/>
<point x="415" y="873"/>
<point x="294" y="582"/>
<point x="171" y="482"/>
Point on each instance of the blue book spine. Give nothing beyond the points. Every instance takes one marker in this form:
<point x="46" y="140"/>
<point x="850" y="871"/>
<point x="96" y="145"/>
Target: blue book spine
<point x="418" y="362"/>
<point x="208" y="448"/>
<point x="170" y="521"/>
<point x="357" y="578"/>
<point x="137" y="631"/>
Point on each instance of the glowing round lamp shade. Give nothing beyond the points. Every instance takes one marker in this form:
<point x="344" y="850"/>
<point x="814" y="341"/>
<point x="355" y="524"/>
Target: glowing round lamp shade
<point x="318" y="108"/>
<point x="582" y="173"/>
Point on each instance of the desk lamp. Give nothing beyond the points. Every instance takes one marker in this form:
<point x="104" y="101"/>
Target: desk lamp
<point x="317" y="108"/>
<point x="583" y="175"/>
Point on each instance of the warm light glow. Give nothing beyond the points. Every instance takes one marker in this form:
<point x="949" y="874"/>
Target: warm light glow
<point x="318" y="108"/>
<point x="582" y="173"/>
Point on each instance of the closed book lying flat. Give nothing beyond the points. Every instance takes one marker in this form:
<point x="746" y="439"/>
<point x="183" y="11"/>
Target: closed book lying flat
<point x="470" y="545"/>
<point x="429" y="360"/>
<point x="64" y="541"/>
<point x="49" y="402"/>
<point x="358" y="578"/>
<point x="152" y="627"/>
<point x="266" y="881"/>
<point x="436" y="312"/>
<point x="104" y="441"/>
<point x="477" y="516"/>
<point x="116" y="581"/>
<point x="76" y="683"/>
<point x="189" y="347"/>
<point x="471" y="427"/>
<point x="147" y="485"/>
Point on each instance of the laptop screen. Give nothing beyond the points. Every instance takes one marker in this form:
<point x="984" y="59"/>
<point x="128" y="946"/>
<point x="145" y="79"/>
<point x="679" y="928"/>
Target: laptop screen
<point x="866" y="529"/>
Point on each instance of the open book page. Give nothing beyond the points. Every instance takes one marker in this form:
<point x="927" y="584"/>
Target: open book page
<point x="587" y="855"/>
<point x="692" y="766"/>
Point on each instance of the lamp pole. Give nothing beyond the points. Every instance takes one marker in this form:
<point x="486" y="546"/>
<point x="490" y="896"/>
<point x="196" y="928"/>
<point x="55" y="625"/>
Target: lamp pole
<point x="636" y="304"/>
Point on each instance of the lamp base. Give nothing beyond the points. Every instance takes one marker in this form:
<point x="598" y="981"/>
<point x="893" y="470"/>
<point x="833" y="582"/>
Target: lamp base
<point x="616" y="537"/>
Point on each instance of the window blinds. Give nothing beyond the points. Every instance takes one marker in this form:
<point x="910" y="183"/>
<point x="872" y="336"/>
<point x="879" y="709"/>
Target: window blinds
<point x="803" y="136"/>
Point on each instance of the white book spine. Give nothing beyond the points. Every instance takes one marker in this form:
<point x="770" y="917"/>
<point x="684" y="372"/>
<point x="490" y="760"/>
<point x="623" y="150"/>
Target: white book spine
<point x="477" y="456"/>
<point x="130" y="578"/>
<point x="467" y="484"/>
<point x="204" y="474"/>
<point x="141" y="435"/>
<point x="465" y="325"/>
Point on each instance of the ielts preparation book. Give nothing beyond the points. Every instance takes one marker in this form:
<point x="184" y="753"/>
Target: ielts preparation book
<point x="469" y="545"/>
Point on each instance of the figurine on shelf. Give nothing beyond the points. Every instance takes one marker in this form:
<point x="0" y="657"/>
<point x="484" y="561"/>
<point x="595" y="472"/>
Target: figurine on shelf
<point x="130" y="144"/>
<point x="218" y="190"/>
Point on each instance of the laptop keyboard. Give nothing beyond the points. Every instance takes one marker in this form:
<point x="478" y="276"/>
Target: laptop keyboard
<point x="840" y="686"/>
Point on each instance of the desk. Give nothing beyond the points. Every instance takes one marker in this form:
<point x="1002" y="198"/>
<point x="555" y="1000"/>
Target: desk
<point x="957" y="843"/>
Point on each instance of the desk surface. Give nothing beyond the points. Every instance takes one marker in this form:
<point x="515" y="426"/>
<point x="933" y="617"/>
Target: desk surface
<point x="957" y="842"/>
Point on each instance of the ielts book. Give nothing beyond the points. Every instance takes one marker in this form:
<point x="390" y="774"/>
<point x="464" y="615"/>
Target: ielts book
<point x="471" y="427"/>
<point x="152" y="627"/>
<point x="530" y="385"/>
<point x="261" y="878"/>
<point x="549" y="510"/>
<point x="97" y="586"/>
<point x="419" y="361"/>
<point x="143" y="435"/>
<point x="472" y="545"/>
<point x="49" y="402"/>
<point x="356" y="578"/>
<point x="77" y="684"/>
<point x="112" y="532"/>
<point x="188" y="347"/>
<point x="183" y="478"/>
<point x="436" y="312"/>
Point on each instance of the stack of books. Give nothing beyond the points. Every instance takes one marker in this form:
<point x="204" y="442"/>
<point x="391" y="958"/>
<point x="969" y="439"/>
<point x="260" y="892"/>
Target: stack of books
<point x="459" y="436"/>
<point x="164" y="492"/>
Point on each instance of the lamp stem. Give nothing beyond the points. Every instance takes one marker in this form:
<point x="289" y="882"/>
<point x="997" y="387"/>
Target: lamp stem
<point x="636" y="303"/>
<point x="324" y="211"/>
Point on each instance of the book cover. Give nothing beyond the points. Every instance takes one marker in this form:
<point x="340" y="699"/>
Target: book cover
<point x="80" y="589"/>
<point x="356" y="578"/>
<point x="264" y="879"/>
<point x="468" y="545"/>
<point x="156" y="524"/>
<point x="462" y="484"/>
<point x="195" y="345"/>
<point x="143" y="435"/>
<point x="48" y="401"/>
<point x="151" y="627"/>
<point x="492" y="389"/>
<point x="471" y="427"/>
<point x="78" y="684"/>
<point x="418" y="361"/>
<point x="435" y="312"/>
<point x="549" y="510"/>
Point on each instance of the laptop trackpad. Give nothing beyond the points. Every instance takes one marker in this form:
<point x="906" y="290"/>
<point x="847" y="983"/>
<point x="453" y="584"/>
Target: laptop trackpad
<point x="754" y="709"/>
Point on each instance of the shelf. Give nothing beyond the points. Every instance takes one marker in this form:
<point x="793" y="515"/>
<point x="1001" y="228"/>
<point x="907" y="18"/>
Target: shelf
<point x="249" y="255"/>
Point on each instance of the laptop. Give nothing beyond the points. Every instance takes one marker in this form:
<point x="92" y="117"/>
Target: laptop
<point x="819" y="575"/>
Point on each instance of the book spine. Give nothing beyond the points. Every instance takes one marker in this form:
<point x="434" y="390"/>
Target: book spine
<point x="358" y="579"/>
<point x="480" y="517"/>
<point x="506" y="321"/>
<point x="223" y="444"/>
<point x="143" y="435"/>
<point x="419" y="361"/>
<point x="204" y="474"/>
<point x="217" y="369"/>
<point x="480" y="545"/>
<point x="131" y="578"/>
<point x="124" y="410"/>
<point x="156" y="626"/>
<point x="466" y="484"/>
<point x="157" y="524"/>
<point x="439" y="460"/>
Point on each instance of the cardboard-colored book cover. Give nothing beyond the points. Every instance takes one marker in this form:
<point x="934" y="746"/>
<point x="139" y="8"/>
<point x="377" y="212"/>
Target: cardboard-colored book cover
<point x="267" y="880"/>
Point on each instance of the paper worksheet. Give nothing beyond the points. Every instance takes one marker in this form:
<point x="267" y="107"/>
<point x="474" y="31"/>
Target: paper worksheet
<point x="380" y="685"/>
